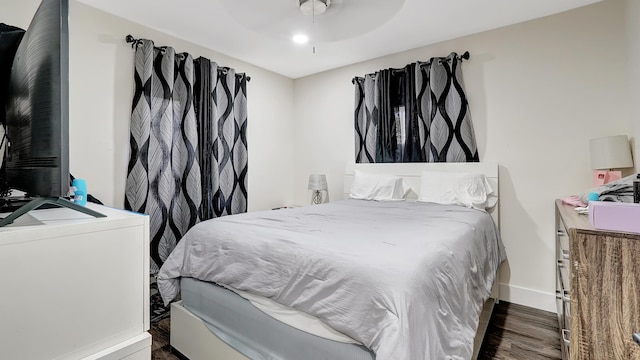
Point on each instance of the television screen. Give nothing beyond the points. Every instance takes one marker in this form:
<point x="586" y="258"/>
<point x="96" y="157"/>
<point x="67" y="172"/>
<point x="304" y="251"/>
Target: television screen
<point x="37" y="110"/>
<point x="37" y="116"/>
<point x="10" y="37"/>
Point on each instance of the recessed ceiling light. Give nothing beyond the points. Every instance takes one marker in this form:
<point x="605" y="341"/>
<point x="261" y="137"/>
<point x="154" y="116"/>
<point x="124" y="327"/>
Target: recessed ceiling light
<point x="300" y="39"/>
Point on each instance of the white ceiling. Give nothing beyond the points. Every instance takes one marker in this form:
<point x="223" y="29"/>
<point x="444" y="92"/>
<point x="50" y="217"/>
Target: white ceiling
<point x="259" y="32"/>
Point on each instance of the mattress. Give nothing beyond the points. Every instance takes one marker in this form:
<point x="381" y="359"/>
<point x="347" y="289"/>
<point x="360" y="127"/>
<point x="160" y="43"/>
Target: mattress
<point x="405" y="279"/>
<point x="250" y="331"/>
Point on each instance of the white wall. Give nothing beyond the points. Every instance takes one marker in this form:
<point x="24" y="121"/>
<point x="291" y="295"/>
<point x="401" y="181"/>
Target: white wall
<point x="632" y="13"/>
<point x="537" y="92"/>
<point x="101" y="88"/>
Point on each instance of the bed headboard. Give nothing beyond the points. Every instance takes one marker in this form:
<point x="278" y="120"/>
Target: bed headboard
<point x="411" y="173"/>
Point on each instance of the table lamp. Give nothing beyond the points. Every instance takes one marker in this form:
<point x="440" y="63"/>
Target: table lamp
<point x="317" y="183"/>
<point x="608" y="153"/>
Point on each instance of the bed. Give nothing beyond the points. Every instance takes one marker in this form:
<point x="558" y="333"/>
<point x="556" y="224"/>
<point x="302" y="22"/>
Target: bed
<point x="344" y="280"/>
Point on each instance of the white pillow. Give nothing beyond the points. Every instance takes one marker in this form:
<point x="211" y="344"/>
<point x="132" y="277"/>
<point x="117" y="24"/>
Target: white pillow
<point x="457" y="188"/>
<point x="380" y="187"/>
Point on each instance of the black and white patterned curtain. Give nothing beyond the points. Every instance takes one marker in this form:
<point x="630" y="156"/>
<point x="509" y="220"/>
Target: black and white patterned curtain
<point x="221" y="110"/>
<point x="367" y="117"/>
<point x="165" y="177"/>
<point x="415" y="114"/>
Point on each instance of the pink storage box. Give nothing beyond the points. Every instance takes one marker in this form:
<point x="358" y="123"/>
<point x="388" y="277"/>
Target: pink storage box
<point x="617" y="216"/>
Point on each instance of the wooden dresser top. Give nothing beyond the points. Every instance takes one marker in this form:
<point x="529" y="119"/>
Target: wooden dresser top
<point x="571" y="217"/>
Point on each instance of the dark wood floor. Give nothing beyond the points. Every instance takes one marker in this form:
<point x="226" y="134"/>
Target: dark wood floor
<point x="160" y="348"/>
<point x="515" y="332"/>
<point x="519" y="332"/>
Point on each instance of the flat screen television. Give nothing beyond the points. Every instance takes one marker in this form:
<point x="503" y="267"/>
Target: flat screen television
<point x="37" y="113"/>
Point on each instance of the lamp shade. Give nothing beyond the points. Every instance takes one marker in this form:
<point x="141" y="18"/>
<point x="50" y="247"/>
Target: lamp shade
<point x="317" y="182"/>
<point x="610" y="152"/>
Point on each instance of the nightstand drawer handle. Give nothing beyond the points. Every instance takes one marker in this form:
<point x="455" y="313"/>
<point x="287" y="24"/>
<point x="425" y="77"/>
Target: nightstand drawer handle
<point x="563" y="295"/>
<point x="565" y="336"/>
<point x="561" y="233"/>
<point x="560" y="264"/>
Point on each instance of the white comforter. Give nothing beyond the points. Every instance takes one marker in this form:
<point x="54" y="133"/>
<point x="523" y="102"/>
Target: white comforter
<point x="406" y="279"/>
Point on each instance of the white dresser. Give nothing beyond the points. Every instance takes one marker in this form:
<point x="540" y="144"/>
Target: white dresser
<point x="74" y="286"/>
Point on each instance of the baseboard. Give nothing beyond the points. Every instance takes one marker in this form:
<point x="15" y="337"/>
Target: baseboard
<point x="136" y="348"/>
<point x="528" y="297"/>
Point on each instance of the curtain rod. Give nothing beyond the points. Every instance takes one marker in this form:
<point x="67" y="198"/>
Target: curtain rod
<point x="464" y="56"/>
<point x="133" y="41"/>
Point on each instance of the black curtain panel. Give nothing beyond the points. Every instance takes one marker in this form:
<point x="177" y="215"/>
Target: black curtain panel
<point x="163" y="178"/>
<point x="386" y="143"/>
<point x="415" y="114"/>
<point x="221" y="104"/>
<point x="204" y="111"/>
<point x="443" y="111"/>
<point x="366" y="117"/>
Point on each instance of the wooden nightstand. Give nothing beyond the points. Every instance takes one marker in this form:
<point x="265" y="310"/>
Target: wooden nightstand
<point x="598" y="288"/>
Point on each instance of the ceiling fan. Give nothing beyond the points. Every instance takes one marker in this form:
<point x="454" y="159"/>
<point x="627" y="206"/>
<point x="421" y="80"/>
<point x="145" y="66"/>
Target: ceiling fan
<point x="313" y="7"/>
<point x="340" y="19"/>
